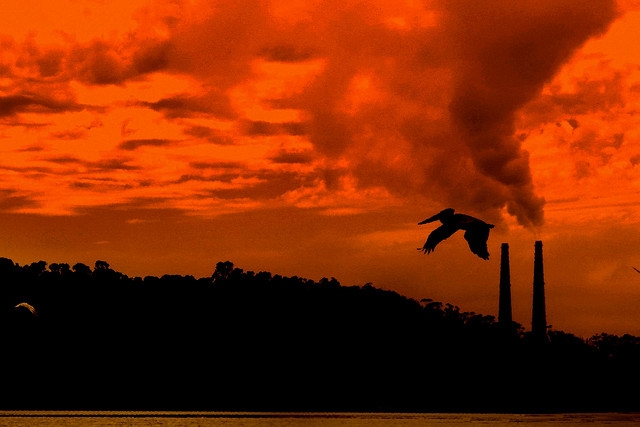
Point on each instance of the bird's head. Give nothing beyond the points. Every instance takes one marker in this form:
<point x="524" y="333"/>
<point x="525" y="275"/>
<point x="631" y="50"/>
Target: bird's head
<point x="439" y="216"/>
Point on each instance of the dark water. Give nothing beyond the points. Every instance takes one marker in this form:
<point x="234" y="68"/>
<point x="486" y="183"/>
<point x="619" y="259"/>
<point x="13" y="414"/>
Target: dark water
<point x="251" y="419"/>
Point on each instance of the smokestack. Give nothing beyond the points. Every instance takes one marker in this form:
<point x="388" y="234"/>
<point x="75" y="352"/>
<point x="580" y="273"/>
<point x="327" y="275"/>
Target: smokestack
<point x="504" y="307"/>
<point x="538" y="313"/>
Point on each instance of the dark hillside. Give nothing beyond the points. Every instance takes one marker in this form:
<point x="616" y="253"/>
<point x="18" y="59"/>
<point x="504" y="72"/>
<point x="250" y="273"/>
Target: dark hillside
<point x="255" y="341"/>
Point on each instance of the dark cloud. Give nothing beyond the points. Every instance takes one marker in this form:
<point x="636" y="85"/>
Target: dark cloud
<point x="291" y="157"/>
<point x="82" y="185"/>
<point x="112" y="164"/>
<point x="50" y="63"/>
<point x="27" y="102"/>
<point x="573" y="123"/>
<point x="261" y="184"/>
<point x="212" y="103"/>
<point x="294" y="128"/>
<point x="260" y="128"/>
<point x="599" y="149"/>
<point x="10" y="201"/>
<point x="70" y="134"/>
<point x="219" y="47"/>
<point x="222" y="177"/>
<point x="590" y="94"/>
<point x="183" y="106"/>
<point x="271" y="185"/>
<point x="213" y="136"/>
<point x="27" y="125"/>
<point x="107" y="164"/>
<point x="100" y="62"/>
<point x="34" y="60"/>
<point x="264" y="128"/>
<point x="151" y="56"/>
<point x="286" y="53"/>
<point x="105" y="184"/>
<point x="583" y="169"/>
<point x="30" y="171"/>
<point x="134" y="144"/>
<point x="63" y="160"/>
<point x="203" y="132"/>
<point x="32" y="148"/>
<point x="217" y="165"/>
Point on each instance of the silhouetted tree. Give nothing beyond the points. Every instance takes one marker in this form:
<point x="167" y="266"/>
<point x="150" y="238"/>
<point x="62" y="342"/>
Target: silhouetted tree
<point x="82" y="269"/>
<point x="222" y="271"/>
<point x="101" y="266"/>
<point x="259" y="341"/>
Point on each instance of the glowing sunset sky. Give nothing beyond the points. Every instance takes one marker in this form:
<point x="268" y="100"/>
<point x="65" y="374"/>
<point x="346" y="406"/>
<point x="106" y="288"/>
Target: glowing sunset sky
<point x="308" y="138"/>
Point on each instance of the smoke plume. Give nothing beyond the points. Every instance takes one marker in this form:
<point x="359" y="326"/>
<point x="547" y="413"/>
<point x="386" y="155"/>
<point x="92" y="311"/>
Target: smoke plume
<point x="416" y="99"/>
<point x="507" y="51"/>
<point x="428" y="107"/>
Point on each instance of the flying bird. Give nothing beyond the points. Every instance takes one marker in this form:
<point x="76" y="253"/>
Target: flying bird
<point x="476" y="231"/>
<point x="28" y="307"/>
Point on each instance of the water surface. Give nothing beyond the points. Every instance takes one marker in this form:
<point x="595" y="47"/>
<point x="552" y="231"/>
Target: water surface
<point x="254" y="419"/>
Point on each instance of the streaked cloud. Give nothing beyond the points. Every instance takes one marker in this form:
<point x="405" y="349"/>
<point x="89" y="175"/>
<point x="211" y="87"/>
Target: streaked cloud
<point x="265" y="128"/>
<point x="211" y="104"/>
<point x="11" y="105"/>
<point x="11" y="200"/>
<point x="133" y="144"/>
<point x="292" y="157"/>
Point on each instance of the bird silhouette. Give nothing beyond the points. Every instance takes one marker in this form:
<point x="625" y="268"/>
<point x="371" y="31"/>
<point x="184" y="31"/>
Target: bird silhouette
<point x="27" y="306"/>
<point x="476" y="231"/>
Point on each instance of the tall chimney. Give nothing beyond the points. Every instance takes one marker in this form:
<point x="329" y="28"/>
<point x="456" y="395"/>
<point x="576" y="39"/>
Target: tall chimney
<point x="504" y="307"/>
<point x="538" y="312"/>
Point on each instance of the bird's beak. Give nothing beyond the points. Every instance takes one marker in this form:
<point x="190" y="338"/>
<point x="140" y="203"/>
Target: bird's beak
<point x="430" y="219"/>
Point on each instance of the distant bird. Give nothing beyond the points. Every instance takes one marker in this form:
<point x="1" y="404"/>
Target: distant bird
<point x="476" y="231"/>
<point x="28" y="307"/>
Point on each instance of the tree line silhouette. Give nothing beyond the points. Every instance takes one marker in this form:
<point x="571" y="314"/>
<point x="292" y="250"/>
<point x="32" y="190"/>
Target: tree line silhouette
<point x="245" y="341"/>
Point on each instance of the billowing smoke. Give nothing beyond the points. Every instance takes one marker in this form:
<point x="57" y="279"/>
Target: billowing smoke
<point x="430" y="108"/>
<point x="417" y="98"/>
<point x="507" y="51"/>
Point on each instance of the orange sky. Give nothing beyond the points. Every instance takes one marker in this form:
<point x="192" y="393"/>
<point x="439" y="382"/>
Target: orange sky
<point x="308" y="138"/>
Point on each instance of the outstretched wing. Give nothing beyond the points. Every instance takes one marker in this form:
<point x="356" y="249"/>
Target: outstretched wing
<point x="477" y="237"/>
<point x="28" y="307"/>
<point x="437" y="236"/>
